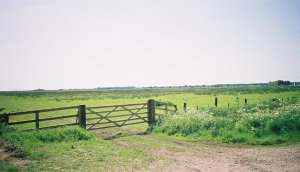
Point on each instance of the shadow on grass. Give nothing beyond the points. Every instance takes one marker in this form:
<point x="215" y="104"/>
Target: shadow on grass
<point x="124" y="134"/>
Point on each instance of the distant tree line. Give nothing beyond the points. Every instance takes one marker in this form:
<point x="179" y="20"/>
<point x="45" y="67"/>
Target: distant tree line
<point x="271" y="83"/>
<point x="280" y="82"/>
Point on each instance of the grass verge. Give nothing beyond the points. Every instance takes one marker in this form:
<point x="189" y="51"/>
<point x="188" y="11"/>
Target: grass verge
<point x="68" y="149"/>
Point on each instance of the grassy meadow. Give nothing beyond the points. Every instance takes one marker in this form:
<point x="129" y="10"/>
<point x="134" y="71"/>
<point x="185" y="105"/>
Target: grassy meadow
<point x="202" y="97"/>
<point x="270" y="117"/>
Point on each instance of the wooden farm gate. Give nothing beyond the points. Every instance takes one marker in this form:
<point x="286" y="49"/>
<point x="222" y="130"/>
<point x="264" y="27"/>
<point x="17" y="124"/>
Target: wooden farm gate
<point x="100" y="117"/>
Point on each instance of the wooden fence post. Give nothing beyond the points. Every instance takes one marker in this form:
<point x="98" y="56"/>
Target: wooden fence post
<point x="4" y="119"/>
<point x="37" y="121"/>
<point x="151" y="111"/>
<point x="184" y="107"/>
<point x="246" y="101"/>
<point x="176" y="109"/>
<point x="82" y="116"/>
<point x="216" y="101"/>
<point x="166" y="108"/>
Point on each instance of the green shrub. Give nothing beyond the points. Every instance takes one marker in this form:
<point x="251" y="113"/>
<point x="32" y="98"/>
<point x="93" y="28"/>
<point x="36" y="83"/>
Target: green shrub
<point x="8" y="167"/>
<point x="63" y="134"/>
<point x="25" y="140"/>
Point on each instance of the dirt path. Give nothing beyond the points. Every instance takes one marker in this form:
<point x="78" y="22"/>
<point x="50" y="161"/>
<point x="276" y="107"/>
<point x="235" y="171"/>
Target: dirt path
<point x="218" y="157"/>
<point x="10" y="156"/>
<point x="179" y="155"/>
<point x="3" y="154"/>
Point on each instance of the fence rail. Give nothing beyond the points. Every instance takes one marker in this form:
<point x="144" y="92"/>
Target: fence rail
<point x="94" y="117"/>
<point x="37" y="119"/>
<point x="41" y="110"/>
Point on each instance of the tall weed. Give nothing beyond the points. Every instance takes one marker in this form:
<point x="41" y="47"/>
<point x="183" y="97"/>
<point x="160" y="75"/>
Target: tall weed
<point x="263" y="124"/>
<point x="26" y="140"/>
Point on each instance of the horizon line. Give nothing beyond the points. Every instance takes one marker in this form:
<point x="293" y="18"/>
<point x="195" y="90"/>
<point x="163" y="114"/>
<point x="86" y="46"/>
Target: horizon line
<point x="155" y="86"/>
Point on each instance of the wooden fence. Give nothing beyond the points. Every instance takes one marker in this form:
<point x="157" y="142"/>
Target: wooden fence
<point x="91" y="118"/>
<point x="6" y="118"/>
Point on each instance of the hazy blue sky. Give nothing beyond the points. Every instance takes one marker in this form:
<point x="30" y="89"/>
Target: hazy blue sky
<point x="56" y="44"/>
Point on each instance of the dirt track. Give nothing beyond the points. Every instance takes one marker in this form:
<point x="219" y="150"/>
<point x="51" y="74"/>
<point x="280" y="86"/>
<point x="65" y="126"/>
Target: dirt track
<point x="216" y="157"/>
<point x="185" y="156"/>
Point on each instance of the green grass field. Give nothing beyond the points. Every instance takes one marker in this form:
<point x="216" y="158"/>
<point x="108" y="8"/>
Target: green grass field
<point x="260" y="122"/>
<point x="203" y="97"/>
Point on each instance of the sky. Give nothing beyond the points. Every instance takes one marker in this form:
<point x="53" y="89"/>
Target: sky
<point x="54" y="44"/>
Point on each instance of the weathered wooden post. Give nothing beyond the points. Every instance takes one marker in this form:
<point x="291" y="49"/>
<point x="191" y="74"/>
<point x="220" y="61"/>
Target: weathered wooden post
<point x="246" y="101"/>
<point x="216" y="101"/>
<point x="4" y="119"/>
<point x="184" y="107"/>
<point x="151" y="111"/>
<point x="37" y="121"/>
<point x="238" y="101"/>
<point x="82" y="116"/>
<point x="176" y="109"/>
<point x="166" y="108"/>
